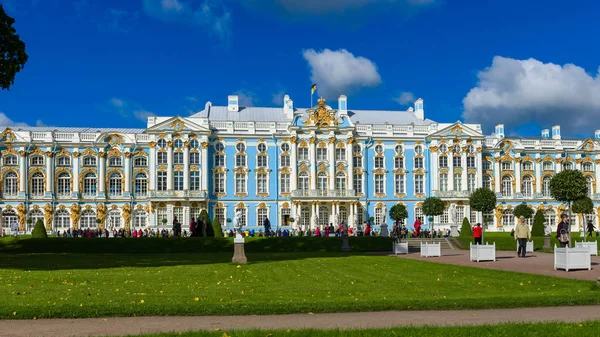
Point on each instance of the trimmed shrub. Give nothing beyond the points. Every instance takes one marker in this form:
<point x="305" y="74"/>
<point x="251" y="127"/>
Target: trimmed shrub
<point x="465" y="230"/>
<point x="204" y="221"/>
<point x="39" y="231"/>
<point x="217" y="230"/>
<point x="538" y="224"/>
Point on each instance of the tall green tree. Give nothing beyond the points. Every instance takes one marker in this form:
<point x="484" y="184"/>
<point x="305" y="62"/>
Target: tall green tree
<point x="12" y="51"/>
<point x="538" y="224"/>
<point x="568" y="186"/>
<point x="523" y="210"/>
<point x="483" y="200"/>
<point x="433" y="206"/>
<point x="398" y="212"/>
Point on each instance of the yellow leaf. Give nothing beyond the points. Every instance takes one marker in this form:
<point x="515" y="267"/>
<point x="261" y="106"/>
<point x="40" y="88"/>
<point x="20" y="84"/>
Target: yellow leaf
<point x="14" y="313"/>
<point x="196" y="299"/>
<point x="81" y="304"/>
<point x="239" y="266"/>
<point x="142" y="301"/>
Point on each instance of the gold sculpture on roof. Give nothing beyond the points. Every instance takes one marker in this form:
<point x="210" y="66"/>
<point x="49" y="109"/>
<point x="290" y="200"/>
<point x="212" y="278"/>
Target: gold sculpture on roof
<point x="321" y="116"/>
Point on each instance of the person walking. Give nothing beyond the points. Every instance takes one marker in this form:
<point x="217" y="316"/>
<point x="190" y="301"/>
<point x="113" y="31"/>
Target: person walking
<point x="267" y="225"/>
<point x="562" y="232"/>
<point x="477" y="234"/>
<point x="522" y="234"/>
<point x="590" y="228"/>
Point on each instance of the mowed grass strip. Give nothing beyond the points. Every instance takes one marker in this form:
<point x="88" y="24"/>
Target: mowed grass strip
<point x="100" y="285"/>
<point x="504" y="241"/>
<point x="512" y="330"/>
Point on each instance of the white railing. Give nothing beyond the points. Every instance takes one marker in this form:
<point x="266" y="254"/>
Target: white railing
<point x="421" y="129"/>
<point x="219" y="125"/>
<point x="490" y="142"/>
<point x="379" y="128"/>
<point x="362" y="128"/>
<point x="241" y="126"/>
<point x="548" y="143"/>
<point x="452" y="194"/>
<point x="142" y="137"/>
<point x="177" y="194"/>
<point x="569" y="143"/>
<point x="528" y="142"/>
<point x="323" y="193"/>
<point x="38" y="135"/>
<point x="88" y="136"/>
<point x="400" y="129"/>
<point x="264" y="125"/>
<point x="63" y="136"/>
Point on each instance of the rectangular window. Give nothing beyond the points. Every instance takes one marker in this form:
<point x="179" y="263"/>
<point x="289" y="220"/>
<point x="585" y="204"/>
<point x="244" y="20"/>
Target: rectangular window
<point x="302" y="153"/>
<point x="487" y="165"/>
<point x="487" y="182"/>
<point x="219" y="186"/>
<point x="470" y="162"/>
<point x="458" y="182"/>
<point x="219" y="160"/>
<point x="261" y="214"/>
<point x="340" y="154"/>
<point x="471" y="182"/>
<point x="457" y="161"/>
<point x="161" y="181"/>
<point x="243" y="216"/>
<point x="285" y="161"/>
<point x="194" y="158"/>
<point x="399" y="163"/>
<point x="194" y="181"/>
<point x="506" y="165"/>
<point x="322" y="154"/>
<point x="161" y="158"/>
<point x="444" y="216"/>
<point x="178" y="181"/>
<point x="261" y="183"/>
<point x="161" y="216"/>
<point x="419" y="188"/>
<point x="358" y="183"/>
<point x="240" y="183"/>
<point x="443" y="182"/>
<point x="379" y="162"/>
<point x="473" y="217"/>
<point x="379" y="216"/>
<point x="240" y="160"/>
<point x="399" y="183"/>
<point x="195" y="212"/>
<point x="220" y="214"/>
<point x="418" y="213"/>
<point x="418" y="163"/>
<point x="178" y="158"/>
<point x="443" y="161"/>
<point x="261" y="161"/>
<point x="285" y="183"/>
<point x="357" y="161"/>
<point x="379" y="184"/>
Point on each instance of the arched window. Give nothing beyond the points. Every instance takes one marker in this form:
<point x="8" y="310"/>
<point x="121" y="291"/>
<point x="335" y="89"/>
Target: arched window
<point x="443" y="182"/>
<point x="587" y="167"/>
<point x="508" y="219"/>
<point x="11" y="184"/>
<point x="527" y="187"/>
<point x="114" y="219"/>
<point x="487" y="182"/>
<point x="507" y="186"/>
<point x="37" y="184"/>
<point x="62" y="219"/>
<point x="89" y="184"/>
<point x="340" y="181"/>
<point x="9" y="217"/>
<point x="115" y="184"/>
<point x="550" y="216"/>
<point x="88" y="219"/>
<point x="36" y="215"/>
<point x="323" y="219"/>
<point x="303" y="184"/>
<point x="63" y="185"/>
<point x="140" y="219"/>
<point x="141" y="184"/>
<point x="546" y="186"/>
<point x="322" y="181"/>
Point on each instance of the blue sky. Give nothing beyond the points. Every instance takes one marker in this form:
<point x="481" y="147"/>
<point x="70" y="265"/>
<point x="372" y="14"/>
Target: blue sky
<point x="528" y="64"/>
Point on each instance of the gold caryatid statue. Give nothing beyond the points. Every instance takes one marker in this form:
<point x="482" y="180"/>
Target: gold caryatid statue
<point x="320" y="116"/>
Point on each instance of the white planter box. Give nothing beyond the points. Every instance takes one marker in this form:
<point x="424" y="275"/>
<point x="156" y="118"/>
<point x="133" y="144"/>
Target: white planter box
<point x="400" y="248"/>
<point x="485" y="252"/>
<point x="431" y="249"/>
<point x="572" y="258"/>
<point x="528" y="247"/>
<point x="591" y="245"/>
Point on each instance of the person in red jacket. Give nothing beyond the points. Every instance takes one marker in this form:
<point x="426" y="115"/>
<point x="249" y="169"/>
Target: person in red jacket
<point x="477" y="233"/>
<point x="417" y="226"/>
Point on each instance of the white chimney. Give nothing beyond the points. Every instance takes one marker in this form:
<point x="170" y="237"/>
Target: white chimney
<point x="343" y="105"/>
<point x="288" y="106"/>
<point x="232" y="103"/>
<point x="545" y="133"/>
<point x="597" y="134"/>
<point x="556" y="132"/>
<point x="419" y="112"/>
<point x="499" y="130"/>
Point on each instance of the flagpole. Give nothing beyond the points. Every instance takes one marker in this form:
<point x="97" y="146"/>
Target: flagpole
<point x="311" y="99"/>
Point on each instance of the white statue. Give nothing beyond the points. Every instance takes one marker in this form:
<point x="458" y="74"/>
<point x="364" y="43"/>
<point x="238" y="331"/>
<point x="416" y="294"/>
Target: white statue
<point x="547" y="229"/>
<point x="453" y="213"/>
<point x="237" y="223"/>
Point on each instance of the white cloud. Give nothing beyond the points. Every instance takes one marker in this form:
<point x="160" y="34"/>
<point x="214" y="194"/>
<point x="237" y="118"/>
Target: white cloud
<point x="129" y="109"/>
<point x="405" y="97"/>
<point x="340" y="72"/>
<point x="6" y="121"/>
<point x="39" y="122"/>
<point x="278" y="98"/>
<point x="209" y="14"/>
<point x="246" y="98"/>
<point x="338" y="6"/>
<point x="517" y="92"/>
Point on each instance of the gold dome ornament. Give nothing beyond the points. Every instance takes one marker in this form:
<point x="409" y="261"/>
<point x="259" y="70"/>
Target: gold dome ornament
<point x="321" y="116"/>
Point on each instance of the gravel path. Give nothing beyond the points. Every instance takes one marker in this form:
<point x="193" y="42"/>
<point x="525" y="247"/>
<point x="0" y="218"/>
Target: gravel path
<point x="128" y="326"/>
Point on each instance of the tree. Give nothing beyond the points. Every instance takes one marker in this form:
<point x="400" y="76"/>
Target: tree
<point x="538" y="224"/>
<point x="207" y="229"/>
<point x="39" y="231"/>
<point x="217" y="229"/>
<point x="12" y="51"/>
<point x="523" y="210"/>
<point x="568" y="186"/>
<point x="465" y="230"/>
<point x="398" y="212"/>
<point x="433" y="206"/>
<point x="582" y="206"/>
<point x="483" y="200"/>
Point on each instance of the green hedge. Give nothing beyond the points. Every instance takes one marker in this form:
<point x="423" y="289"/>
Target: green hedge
<point x="465" y="230"/>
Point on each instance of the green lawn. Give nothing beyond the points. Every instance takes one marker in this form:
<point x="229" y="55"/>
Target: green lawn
<point x="504" y="241"/>
<point x="509" y="330"/>
<point x="94" y="285"/>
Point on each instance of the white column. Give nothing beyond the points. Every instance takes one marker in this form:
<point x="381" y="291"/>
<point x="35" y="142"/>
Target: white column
<point x="101" y="172"/>
<point x="497" y="176"/>
<point x="451" y="172"/>
<point x="558" y="167"/>
<point x="49" y="172"/>
<point x="597" y="171"/>
<point x="313" y="166"/>
<point x="517" y="177"/>
<point x="331" y="155"/>
<point x="127" y="173"/>
<point x="152" y="165"/>
<point x="204" y="166"/>
<point x="434" y="171"/>
<point x="538" y="177"/>
<point x="294" y="162"/>
<point x="170" y="166"/>
<point x="186" y="166"/>
<point x="351" y="215"/>
<point x="333" y="213"/>
<point x="22" y="172"/>
<point x="76" y="173"/>
<point x="479" y="168"/>
<point x="463" y="176"/>
<point x="350" y="161"/>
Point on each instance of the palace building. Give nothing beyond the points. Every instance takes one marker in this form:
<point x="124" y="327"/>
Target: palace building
<point x="299" y="167"/>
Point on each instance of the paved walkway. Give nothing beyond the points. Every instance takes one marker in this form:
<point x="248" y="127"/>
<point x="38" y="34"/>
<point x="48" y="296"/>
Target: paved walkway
<point x="533" y="263"/>
<point x="387" y="319"/>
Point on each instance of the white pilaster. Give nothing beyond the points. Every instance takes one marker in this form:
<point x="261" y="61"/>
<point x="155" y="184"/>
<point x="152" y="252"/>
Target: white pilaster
<point x="152" y="165"/>
<point x="350" y="162"/>
<point x="76" y="174"/>
<point x="204" y="167"/>
<point x="170" y="166"/>
<point x="538" y="177"/>
<point x="49" y="173"/>
<point x="478" y="169"/>
<point x="294" y="163"/>
<point x="22" y="173"/>
<point x="331" y="155"/>
<point x="517" y="177"/>
<point x="313" y="166"/>
<point x="433" y="159"/>
<point x="127" y="169"/>
<point x="101" y="173"/>
<point x="497" y="187"/>
<point x="186" y="167"/>
<point x="463" y="175"/>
